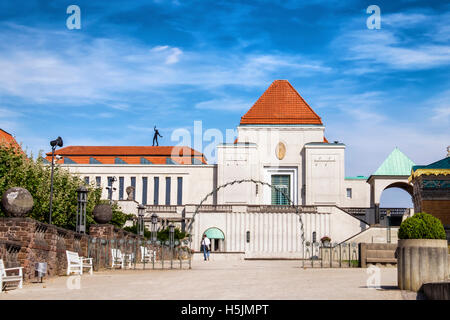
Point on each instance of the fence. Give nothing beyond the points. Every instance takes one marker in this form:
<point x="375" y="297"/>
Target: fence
<point x="327" y="255"/>
<point x="139" y="254"/>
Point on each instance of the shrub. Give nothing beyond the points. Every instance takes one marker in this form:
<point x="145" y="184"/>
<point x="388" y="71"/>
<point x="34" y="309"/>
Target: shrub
<point x="19" y="170"/>
<point x="421" y="226"/>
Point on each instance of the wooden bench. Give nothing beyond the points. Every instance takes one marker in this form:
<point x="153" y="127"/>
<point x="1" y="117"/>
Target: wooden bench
<point x="5" y="278"/>
<point x="75" y="263"/>
<point x="147" y="255"/>
<point x="120" y="259"/>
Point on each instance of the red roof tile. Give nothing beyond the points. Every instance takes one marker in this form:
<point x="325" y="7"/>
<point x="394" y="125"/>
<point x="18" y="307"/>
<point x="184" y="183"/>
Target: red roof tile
<point x="7" y="138"/>
<point x="131" y="155"/>
<point x="281" y="104"/>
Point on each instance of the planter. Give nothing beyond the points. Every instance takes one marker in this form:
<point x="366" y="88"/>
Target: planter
<point x="421" y="261"/>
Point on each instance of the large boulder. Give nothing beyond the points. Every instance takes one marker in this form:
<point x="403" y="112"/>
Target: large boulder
<point x="17" y="202"/>
<point x="102" y="213"/>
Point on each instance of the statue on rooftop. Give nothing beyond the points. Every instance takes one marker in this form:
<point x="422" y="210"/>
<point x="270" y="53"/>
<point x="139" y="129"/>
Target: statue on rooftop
<point x="155" y="136"/>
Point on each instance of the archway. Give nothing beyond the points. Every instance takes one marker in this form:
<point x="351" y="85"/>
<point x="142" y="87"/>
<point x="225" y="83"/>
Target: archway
<point x="395" y="203"/>
<point x="217" y="238"/>
<point x="257" y="182"/>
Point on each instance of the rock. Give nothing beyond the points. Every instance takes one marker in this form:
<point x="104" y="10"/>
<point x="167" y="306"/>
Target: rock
<point x="102" y="213"/>
<point x="17" y="202"/>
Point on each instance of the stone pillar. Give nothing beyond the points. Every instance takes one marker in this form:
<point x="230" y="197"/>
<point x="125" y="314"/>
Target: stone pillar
<point x="105" y="231"/>
<point x="421" y="261"/>
<point x="377" y="213"/>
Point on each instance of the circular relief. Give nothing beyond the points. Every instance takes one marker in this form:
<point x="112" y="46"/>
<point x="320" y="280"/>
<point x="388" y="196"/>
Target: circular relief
<point x="280" y="150"/>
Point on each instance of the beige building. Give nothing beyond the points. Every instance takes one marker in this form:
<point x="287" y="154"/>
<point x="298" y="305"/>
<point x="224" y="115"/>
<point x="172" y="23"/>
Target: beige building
<point x="289" y="182"/>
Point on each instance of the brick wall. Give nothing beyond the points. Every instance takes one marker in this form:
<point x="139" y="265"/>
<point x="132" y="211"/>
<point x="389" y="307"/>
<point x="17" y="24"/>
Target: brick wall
<point x="24" y="241"/>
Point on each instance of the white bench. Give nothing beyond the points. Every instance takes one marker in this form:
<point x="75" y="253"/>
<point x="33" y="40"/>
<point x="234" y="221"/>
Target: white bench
<point x="5" y="278"/>
<point x="75" y="263"/>
<point x="147" y="255"/>
<point x="119" y="259"/>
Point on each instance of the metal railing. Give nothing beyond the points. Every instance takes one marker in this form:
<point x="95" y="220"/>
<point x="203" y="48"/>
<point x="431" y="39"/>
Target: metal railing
<point x="327" y="255"/>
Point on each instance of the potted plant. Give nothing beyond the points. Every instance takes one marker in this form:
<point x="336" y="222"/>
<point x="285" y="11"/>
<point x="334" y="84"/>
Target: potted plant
<point x="325" y="241"/>
<point x="421" y="252"/>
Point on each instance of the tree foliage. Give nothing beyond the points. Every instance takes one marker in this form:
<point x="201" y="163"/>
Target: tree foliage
<point x="421" y="226"/>
<point x="19" y="170"/>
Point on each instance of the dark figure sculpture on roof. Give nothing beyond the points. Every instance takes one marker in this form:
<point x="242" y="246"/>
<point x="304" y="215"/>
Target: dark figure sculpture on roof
<point x="155" y="136"/>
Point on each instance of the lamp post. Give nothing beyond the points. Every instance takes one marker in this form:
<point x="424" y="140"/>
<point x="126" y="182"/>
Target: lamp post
<point x="388" y="215"/>
<point x="140" y="226"/>
<point x="81" y="212"/>
<point x="171" y="242"/>
<point x="154" y="221"/>
<point x="110" y="188"/>
<point x="58" y="142"/>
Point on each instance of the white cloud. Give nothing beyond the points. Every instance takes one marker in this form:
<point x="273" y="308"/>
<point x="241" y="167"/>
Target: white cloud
<point x="225" y="104"/>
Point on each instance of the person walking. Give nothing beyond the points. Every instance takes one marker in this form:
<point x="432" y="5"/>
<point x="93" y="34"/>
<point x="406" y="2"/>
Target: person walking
<point x="205" y="247"/>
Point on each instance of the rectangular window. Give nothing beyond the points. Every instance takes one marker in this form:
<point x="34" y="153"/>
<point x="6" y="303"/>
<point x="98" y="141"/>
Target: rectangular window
<point x="144" y="190"/>
<point x="98" y="181"/>
<point x="167" y="191"/>
<point x="133" y="184"/>
<point x="179" y="191"/>
<point x="282" y="190"/>
<point x="110" y="183"/>
<point x="121" y="185"/>
<point x="86" y="180"/>
<point x="349" y="193"/>
<point x="156" y="191"/>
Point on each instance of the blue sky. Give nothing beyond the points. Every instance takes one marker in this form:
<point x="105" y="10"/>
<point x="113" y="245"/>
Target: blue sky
<point x="169" y="63"/>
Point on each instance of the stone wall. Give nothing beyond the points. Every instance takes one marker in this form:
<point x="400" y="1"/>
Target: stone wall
<point x="24" y="241"/>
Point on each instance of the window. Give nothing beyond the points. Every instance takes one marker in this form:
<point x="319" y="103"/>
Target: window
<point x="86" y="180"/>
<point x="144" y="190"/>
<point x="68" y="161"/>
<point x="118" y="160"/>
<point x="167" y="191"/>
<point x="133" y="184"/>
<point x="349" y="193"/>
<point x="282" y="184"/>
<point x="98" y="181"/>
<point x="156" y="190"/>
<point x="179" y="190"/>
<point x="110" y="189"/>
<point x="121" y="185"/>
<point x="145" y="161"/>
<point x="94" y="161"/>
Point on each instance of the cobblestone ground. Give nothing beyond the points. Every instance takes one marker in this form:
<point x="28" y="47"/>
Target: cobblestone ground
<point x="220" y="280"/>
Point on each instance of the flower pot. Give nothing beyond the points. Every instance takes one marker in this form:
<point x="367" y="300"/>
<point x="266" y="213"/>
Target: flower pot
<point x="421" y="261"/>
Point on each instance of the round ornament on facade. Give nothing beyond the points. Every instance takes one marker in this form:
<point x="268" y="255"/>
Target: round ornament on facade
<point x="280" y="150"/>
<point x="102" y="213"/>
<point x="17" y="202"/>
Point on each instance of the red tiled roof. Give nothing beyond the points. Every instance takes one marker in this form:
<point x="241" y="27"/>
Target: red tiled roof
<point x="130" y="155"/>
<point x="7" y="138"/>
<point x="281" y="104"/>
<point x="325" y="140"/>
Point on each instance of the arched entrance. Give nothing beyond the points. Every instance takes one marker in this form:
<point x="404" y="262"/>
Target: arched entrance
<point x="217" y="238"/>
<point x="395" y="203"/>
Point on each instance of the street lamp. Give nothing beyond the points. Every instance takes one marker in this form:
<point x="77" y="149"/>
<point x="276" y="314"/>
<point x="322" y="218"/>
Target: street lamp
<point x="110" y="188"/>
<point x="58" y="142"/>
<point x="154" y="221"/>
<point x="82" y="192"/>
<point x="171" y="242"/>
<point x="140" y="226"/>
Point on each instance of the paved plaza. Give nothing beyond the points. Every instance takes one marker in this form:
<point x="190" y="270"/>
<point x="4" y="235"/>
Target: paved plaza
<point x="220" y="280"/>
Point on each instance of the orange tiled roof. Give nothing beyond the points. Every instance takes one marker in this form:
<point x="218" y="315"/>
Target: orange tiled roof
<point x="129" y="154"/>
<point x="7" y="138"/>
<point x="281" y="104"/>
<point x="325" y="140"/>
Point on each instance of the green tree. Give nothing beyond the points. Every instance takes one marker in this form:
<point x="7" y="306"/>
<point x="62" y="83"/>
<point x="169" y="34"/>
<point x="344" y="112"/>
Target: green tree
<point x="19" y="170"/>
